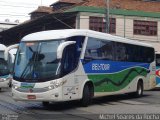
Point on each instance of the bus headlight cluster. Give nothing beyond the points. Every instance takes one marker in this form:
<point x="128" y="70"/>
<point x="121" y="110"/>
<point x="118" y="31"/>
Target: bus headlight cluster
<point x="53" y="86"/>
<point x="9" y="78"/>
<point x="14" y="86"/>
<point x="56" y="84"/>
<point x="2" y="79"/>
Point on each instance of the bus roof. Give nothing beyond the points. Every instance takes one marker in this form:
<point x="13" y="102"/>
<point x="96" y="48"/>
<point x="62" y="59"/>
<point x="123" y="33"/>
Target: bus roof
<point x="65" y="33"/>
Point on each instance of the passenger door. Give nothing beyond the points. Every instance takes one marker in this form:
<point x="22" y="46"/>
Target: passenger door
<point x="69" y="64"/>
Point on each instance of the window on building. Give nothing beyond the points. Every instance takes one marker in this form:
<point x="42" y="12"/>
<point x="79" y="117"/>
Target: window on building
<point x="145" y="28"/>
<point x="99" y="24"/>
<point x="112" y="27"/>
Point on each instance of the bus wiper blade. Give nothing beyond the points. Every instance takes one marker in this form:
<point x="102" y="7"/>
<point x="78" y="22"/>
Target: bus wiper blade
<point x="26" y="69"/>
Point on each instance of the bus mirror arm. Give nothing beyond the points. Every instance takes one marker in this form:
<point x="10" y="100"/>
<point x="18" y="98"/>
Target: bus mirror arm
<point x="6" y="52"/>
<point x="62" y="46"/>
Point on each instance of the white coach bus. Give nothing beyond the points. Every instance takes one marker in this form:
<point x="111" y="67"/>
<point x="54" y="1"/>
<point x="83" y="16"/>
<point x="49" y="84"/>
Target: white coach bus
<point x="6" y="65"/>
<point x="63" y="65"/>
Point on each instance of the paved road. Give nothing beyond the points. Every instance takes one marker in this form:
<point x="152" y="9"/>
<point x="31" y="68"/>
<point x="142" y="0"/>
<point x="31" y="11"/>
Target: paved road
<point x="119" y="104"/>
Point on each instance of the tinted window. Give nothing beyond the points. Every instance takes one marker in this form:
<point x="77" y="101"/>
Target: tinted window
<point x="137" y="53"/>
<point x="134" y="53"/>
<point x="120" y="51"/>
<point x="157" y="59"/>
<point x="107" y="50"/>
<point x="71" y="55"/>
<point x="99" y="49"/>
<point x="68" y="60"/>
<point x="93" y="49"/>
<point x="148" y="54"/>
<point x="116" y="51"/>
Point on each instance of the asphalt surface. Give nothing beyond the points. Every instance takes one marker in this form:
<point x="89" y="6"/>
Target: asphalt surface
<point x="101" y="108"/>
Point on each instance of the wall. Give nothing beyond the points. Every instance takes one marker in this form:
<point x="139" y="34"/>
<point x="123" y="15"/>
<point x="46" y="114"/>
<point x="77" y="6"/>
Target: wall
<point x="124" y="27"/>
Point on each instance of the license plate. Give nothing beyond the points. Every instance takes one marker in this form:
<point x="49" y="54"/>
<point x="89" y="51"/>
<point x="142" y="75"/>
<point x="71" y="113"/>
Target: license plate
<point x="31" y="97"/>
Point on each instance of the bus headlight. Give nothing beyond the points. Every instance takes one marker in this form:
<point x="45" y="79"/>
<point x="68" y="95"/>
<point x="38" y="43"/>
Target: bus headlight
<point x="9" y="78"/>
<point x="2" y="79"/>
<point x="56" y="84"/>
<point x="15" y="86"/>
<point x="53" y="86"/>
<point x="49" y="87"/>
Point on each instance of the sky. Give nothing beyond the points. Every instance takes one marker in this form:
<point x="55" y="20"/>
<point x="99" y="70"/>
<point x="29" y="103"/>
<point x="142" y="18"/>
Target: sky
<point x="19" y="9"/>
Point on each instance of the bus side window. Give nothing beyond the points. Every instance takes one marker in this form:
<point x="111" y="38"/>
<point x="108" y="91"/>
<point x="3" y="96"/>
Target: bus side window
<point x="93" y="50"/>
<point x="107" y="50"/>
<point x="120" y="52"/>
<point x="68" y="59"/>
<point x="78" y="47"/>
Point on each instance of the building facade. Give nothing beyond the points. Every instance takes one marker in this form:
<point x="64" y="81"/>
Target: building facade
<point x="133" y="19"/>
<point x="136" y="25"/>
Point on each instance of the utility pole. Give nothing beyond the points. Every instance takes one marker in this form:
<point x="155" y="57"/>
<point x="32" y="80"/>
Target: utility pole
<point x="41" y="2"/>
<point x="107" y="16"/>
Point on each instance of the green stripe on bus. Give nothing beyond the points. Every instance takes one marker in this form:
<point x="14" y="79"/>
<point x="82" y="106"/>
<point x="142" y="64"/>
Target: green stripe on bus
<point x="116" y="81"/>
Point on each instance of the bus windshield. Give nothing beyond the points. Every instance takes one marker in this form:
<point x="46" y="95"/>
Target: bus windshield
<point x="4" y="70"/>
<point x="37" y="61"/>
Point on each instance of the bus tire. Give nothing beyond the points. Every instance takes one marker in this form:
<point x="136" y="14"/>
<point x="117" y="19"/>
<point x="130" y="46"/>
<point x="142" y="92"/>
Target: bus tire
<point x="10" y="84"/>
<point x="45" y="104"/>
<point x="139" y="91"/>
<point x="87" y="96"/>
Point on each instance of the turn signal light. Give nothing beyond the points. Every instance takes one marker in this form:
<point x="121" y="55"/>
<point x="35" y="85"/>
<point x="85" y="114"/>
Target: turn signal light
<point x="158" y="73"/>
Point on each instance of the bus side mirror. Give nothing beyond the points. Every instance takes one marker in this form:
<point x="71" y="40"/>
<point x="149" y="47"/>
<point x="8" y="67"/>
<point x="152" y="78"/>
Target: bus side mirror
<point x="61" y="48"/>
<point x="6" y="52"/>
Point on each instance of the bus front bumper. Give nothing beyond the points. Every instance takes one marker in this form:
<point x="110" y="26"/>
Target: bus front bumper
<point x="50" y="95"/>
<point x="4" y="83"/>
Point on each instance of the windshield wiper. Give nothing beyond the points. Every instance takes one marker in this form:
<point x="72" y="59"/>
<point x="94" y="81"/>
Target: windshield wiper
<point x="30" y="65"/>
<point x="27" y="69"/>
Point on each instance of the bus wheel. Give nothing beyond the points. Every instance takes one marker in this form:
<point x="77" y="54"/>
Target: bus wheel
<point x="10" y="84"/>
<point x="139" y="91"/>
<point x="87" y="96"/>
<point x="45" y="104"/>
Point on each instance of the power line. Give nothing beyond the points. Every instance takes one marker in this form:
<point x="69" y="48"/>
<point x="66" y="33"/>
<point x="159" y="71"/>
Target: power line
<point x="18" y="3"/>
<point x="65" y="9"/>
<point x="17" y="13"/>
<point x="17" y="6"/>
<point x="62" y="22"/>
<point x="13" y="15"/>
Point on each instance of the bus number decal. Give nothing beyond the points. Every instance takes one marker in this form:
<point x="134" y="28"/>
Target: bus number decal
<point x="96" y="66"/>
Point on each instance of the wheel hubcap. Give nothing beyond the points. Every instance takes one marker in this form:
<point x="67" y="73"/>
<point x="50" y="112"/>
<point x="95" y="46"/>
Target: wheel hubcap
<point x="139" y="91"/>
